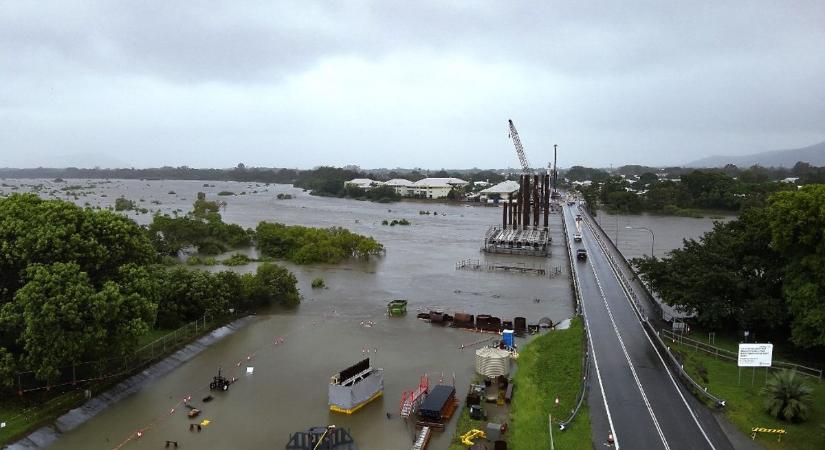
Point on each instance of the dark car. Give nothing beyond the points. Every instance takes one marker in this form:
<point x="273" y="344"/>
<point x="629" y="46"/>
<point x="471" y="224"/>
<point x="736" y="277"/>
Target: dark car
<point x="581" y="254"/>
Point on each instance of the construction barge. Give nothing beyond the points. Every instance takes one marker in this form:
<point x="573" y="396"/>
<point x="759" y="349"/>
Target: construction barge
<point x="321" y="438"/>
<point x="354" y="387"/>
<point x="438" y="407"/>
<point x="484" y="322"/>
<point x="514" y="240"/>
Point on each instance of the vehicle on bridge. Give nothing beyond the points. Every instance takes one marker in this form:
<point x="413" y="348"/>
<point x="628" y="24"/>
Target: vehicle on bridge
<point x="578" y="217"/>
<point x="577" y="237"/>
<point x="581" y="254"/>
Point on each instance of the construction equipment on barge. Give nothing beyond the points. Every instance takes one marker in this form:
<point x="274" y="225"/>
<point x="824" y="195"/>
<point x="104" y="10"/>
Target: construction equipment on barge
<point x="355" y="386"/>
<point x="438" y="407"/>
<point x="321" y="438"/>
<point x="521" y="232"/>
<point x="411" y="400"/>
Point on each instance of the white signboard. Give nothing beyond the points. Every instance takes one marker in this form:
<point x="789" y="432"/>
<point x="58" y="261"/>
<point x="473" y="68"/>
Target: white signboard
<point x="755" y="355"/>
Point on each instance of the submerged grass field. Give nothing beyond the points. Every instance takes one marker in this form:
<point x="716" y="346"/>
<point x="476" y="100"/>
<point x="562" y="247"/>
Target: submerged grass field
<point x="745" y="400"/>
<point x="550" y="366"/>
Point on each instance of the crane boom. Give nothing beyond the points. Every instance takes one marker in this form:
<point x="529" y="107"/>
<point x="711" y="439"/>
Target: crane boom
<point x="525" y="165"/>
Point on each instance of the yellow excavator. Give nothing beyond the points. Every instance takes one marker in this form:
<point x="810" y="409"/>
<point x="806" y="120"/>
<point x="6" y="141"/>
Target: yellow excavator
<point x="467" y="438"/>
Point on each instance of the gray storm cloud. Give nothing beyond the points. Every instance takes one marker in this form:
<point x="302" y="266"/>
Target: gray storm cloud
<point x="386" y="84"/>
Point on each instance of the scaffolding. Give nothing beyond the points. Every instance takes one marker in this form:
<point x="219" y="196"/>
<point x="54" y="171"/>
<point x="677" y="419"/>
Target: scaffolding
<point x="517" y="240"/>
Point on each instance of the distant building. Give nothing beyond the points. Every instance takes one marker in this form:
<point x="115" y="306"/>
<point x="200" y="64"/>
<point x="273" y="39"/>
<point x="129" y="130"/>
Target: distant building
<point x="791" y="180"/>
<point x="436" y="187"/>
<point x="363" y="183"/>
<point x="503" y="190"/>
<point x="404" y="188"/>
<point x="481" y="183"/>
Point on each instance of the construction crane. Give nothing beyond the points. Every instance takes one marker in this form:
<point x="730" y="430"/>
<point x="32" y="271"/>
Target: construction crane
<point x="525" y="165"/>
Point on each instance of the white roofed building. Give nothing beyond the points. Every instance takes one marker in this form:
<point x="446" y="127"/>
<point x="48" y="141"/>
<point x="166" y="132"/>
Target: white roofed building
<point x="405" y="188"/>
<point x="437" y="187"/>
<point x="363" y="183"/>
<point x="503" y="190"/>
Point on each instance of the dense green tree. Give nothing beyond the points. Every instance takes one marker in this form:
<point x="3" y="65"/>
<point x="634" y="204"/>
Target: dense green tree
<point x="666" y="193"/>
<point x="305" y="245"/>
<point x="271" y="284"/>
<point x="189" y="294"/>
<point x="486" y="175"/>
<point x="634" y="169"/>
<point x="37" y="231"/>
<point x="729" y="276"/>
<point x="326" y="180"/>
<point x="382" y="194"/>
<point x="579" y="173"/>
<point x="797" y="224"/>
<point x="62" y="318"/>
<point x="202" y="228"/>
<point x="647" y="179"/>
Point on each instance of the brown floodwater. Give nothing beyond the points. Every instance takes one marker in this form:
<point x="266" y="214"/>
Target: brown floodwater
<point x="333" y="327"/>
<point x="337" y="326"/>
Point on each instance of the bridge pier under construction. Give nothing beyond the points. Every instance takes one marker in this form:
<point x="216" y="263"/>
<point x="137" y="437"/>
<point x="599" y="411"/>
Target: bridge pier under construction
<point x="525" y="220"/>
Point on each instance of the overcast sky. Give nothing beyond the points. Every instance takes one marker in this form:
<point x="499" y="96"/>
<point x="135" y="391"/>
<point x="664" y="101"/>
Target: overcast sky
<point x="424" y="83"/>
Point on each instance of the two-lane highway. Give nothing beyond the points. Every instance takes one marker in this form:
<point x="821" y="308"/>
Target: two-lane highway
<point x="645" y="406"/>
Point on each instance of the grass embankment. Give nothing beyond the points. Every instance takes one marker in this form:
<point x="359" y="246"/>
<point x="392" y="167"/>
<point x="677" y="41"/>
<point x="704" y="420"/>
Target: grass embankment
<point x="24" y="414"/>
<point x="745" y="406"/>
<point x="550" y="366"/>
<point x="465" y="424"/>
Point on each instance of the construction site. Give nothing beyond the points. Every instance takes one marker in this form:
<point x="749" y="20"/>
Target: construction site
<point x="524" y="228"/>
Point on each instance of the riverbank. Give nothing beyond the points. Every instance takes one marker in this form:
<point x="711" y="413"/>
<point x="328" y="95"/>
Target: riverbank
<point x="744" y="400"/>
<point x="72" y="409"/>
<point x="550" y="367"/>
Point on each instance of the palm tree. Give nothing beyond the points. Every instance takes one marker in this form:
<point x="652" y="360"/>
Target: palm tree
<point x="788" y="398"/>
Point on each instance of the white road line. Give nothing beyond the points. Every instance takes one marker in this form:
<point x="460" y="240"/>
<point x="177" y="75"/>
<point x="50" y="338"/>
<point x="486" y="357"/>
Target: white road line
<point x="630" y="363"/>
<point x="595" y="360"/>
<point x="658" y="354"/>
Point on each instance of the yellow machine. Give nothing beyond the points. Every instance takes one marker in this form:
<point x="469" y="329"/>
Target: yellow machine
<point x="467" y="438"/>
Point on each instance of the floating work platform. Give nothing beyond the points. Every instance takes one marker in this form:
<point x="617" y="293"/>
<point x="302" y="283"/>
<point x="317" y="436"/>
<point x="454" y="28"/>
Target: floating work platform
<point x="397" y="308"/>
<point x="354" y="387"/>
<point x="474" y="264"/>
<point x="321" y="438"/>
<point x="517" y="240"/>
<point x="437" y="409"/>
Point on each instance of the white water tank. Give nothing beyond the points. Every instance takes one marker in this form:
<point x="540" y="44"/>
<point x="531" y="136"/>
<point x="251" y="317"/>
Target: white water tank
<point x="492" y="362"/>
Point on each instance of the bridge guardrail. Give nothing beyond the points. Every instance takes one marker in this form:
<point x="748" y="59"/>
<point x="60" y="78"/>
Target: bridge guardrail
<point x="586" y="349"/>
<point x="650" y="330"/>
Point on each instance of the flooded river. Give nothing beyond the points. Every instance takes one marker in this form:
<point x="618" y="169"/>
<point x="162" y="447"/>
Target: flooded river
<point x="337" y="326"/>
<point x="669" y="231"/>
<point x="334" y="327"/>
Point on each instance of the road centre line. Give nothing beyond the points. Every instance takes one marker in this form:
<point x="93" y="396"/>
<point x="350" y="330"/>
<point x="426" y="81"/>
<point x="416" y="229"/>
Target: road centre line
<point x="630" y="363"/>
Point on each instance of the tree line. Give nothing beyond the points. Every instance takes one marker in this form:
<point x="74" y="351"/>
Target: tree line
<point x="692" y="190"/>
<point x="762" y="272"/>
<point x="78" y="284"/>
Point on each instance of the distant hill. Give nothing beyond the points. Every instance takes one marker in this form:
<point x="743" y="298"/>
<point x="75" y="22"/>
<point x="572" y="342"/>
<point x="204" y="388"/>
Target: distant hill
<point x="814" y="154"/>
